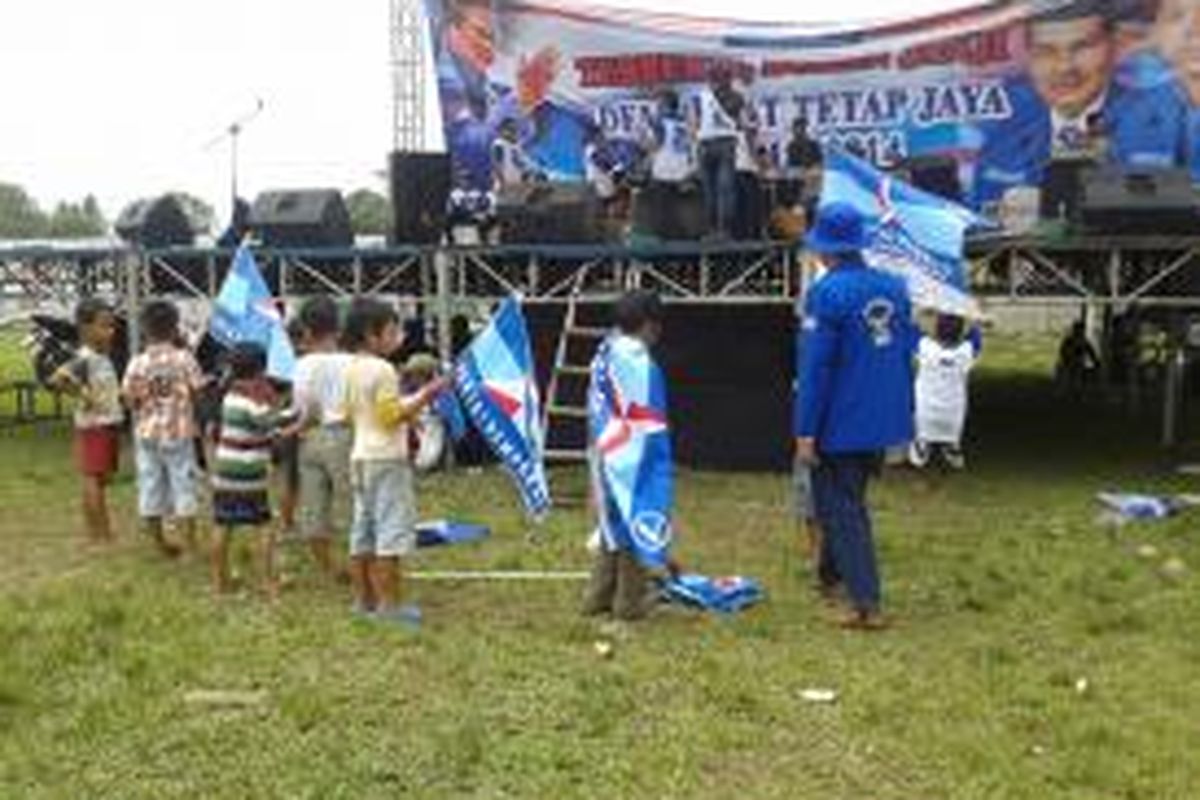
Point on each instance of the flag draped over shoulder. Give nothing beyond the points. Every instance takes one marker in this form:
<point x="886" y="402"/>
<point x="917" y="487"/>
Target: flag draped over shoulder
<point x="629" y="450"/>
<point x="244" y="311"/>
<point x="495" y="382"/>
<point x="915" y="234"/>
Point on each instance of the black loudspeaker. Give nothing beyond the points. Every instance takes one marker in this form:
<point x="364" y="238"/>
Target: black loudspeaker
<point x="1125" y="200"/>
<point x="549" y="213"/>
<point x="155" y="222"/>
<point x="936" y="175"/>
<point x="420" y="184"/>
<point x="1062" y="187"/>
<point x="302" y="218"/>
<point x="671" y="212"/>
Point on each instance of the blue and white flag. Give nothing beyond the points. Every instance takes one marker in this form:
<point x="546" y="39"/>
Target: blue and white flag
<point x="447" y="407"/>
<point x="244" y="311"/>
<point x="629" y="451"/>
<point x="725" y="595"/>
<point x="913" y="233"/>
<point x="495" y="381"/>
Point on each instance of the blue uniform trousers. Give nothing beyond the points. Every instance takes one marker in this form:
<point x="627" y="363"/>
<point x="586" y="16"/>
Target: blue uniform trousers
<point x="847" y="546"/>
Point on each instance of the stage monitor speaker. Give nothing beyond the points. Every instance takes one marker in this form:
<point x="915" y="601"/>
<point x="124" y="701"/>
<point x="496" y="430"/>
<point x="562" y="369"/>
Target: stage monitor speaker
<point x="420" y="184"/>
<point x="936" y="175"/>
<point x="155" y="222"/>
<point x="670" y="212"/>
<point x="549" y="213"/>
<point x="1127" y="200"/>
<point x="302" y="218"/>
<point x="1062" y="187"/>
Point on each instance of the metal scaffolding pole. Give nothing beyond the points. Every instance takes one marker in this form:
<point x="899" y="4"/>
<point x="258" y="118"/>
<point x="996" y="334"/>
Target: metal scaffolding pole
<point x="408" y="75"/>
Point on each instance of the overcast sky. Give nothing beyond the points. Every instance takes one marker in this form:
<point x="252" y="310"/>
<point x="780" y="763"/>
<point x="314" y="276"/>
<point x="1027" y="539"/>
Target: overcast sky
<point x="121" y="97"/>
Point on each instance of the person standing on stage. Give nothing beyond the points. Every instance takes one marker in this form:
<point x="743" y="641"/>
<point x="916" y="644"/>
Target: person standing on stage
<point x="670" y="148"/>
<point x="748" y="178"/>
<point x="856" y="399"/>
<point x="803" y="164"/>
<point x="719" y="111"/>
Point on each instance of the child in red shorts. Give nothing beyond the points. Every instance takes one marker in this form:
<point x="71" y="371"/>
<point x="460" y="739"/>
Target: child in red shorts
<point x="91" y="378"/>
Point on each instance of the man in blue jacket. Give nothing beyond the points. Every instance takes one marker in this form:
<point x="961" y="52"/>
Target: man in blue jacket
<point x="855" y="398"/>
<point x="1074" y="92"/>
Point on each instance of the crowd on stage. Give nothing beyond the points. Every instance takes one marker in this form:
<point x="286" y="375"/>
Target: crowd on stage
<point x="1100" y="83"/>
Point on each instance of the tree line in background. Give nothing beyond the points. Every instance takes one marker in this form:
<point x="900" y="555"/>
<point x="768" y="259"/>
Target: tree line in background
<point x="22" y="218"/>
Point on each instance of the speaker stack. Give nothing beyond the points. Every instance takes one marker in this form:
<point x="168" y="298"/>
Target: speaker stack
<point x="302" y="218"/>
<point x="155" y="222"/>
<point x="1140" y="201"/>
<point x="420" y="188"/>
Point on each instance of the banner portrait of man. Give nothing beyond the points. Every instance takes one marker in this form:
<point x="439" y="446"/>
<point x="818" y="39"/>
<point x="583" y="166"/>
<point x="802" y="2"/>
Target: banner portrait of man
<point x="1073" y="95"/>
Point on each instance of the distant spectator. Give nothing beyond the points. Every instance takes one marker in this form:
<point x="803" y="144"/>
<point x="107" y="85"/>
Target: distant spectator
<point x="1077" y="361"/>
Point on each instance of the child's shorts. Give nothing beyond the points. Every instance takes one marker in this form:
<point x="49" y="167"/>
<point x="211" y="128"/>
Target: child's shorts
<point x="285" y="455"/>
<point x="166" y="477"/>
<point x="324" y="479"/>
<point x="241" y="509"/>
<point x="97" y="451"/>
<point x="385" y="509"/>
<point x="802" y="493"/>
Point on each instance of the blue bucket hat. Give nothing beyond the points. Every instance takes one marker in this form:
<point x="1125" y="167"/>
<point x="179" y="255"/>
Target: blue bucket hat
<point x="839" y="229"/>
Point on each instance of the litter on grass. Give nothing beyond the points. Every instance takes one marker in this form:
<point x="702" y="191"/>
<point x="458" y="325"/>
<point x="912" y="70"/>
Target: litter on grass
<point x="1126" y="506"/>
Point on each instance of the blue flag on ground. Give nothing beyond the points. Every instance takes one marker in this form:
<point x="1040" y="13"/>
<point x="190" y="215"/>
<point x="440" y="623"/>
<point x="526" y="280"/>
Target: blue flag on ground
<point x="245" y="311"/>
<point x="629" y="451"/>
<point x="723" y="595"/>
<point x="495" y="382"/>
<point x="915" y="234"/>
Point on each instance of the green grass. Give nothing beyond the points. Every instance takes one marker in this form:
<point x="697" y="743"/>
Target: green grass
<point x="15" y="365"/>
<point x="1004" y="589"/>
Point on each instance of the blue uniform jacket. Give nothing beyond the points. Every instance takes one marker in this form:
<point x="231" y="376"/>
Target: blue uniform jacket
<point x="1144" y="123"/>
<point x="855" y="349"/>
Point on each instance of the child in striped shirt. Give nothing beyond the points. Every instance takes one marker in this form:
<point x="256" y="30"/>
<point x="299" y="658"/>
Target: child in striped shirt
<point x="251" y="420"/>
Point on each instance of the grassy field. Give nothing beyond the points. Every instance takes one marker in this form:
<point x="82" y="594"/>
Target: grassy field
<point x="15" y="366"/>
<point x="1035" y="653"/>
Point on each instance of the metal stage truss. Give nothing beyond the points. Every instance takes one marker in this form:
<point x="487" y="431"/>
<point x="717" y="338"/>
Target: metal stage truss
<point x="1095" y="273"/>
<point x="1112" y="271"/>
<point x="1159" y="272"/>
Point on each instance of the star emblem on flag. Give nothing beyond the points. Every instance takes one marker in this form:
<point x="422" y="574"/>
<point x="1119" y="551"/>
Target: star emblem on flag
<point x="626" y="419"/>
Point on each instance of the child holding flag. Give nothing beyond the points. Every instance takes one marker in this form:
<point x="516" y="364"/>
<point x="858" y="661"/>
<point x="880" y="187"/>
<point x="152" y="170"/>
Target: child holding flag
<point x="383" y="530"/>
<point x="629" y="455"/>
<point x="944" y="364"/>
<point x="251" y="422"/>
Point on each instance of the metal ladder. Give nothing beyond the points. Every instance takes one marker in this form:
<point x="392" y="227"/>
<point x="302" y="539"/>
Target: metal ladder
<point x="559" y="410"/>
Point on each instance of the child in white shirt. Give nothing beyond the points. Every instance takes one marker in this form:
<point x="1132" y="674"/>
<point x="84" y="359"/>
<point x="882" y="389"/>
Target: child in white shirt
<point x="944" y="364"/>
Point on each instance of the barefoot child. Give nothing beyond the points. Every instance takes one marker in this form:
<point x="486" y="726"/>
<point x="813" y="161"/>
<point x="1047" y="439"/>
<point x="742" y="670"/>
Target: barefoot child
<point x="161" y="386"/>
<point x="383" y="530"/>
<point x="92" y="379"/>
<point x="944" y="364"/>
<point x="250" y="422"/>
<point x="318" y="396"/>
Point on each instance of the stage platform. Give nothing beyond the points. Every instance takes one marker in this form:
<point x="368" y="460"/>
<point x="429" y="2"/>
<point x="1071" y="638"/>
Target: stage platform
<point x="1109" y="270"/>
<point x="1102" y="275"/>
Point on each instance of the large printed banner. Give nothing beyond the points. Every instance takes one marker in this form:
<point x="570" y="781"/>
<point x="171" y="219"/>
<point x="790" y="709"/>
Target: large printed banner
<point x="999" y="87"/>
